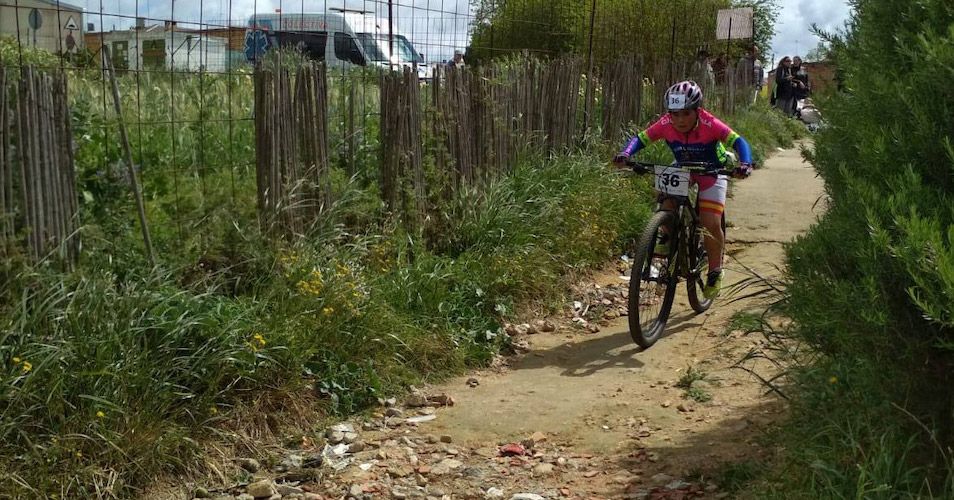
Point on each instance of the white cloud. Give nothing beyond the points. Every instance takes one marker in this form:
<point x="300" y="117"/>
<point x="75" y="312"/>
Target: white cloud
<point x="794" y="35"/>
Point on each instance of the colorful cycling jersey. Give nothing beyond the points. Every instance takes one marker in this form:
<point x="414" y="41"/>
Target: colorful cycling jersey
<point x="704" y="143"/>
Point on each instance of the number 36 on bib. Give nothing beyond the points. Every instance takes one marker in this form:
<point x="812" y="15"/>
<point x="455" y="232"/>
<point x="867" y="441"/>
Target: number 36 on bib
<point x="672" y="181"/>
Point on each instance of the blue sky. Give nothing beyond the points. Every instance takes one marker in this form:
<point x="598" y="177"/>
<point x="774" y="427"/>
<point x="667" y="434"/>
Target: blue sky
<point x="795" y="20"/>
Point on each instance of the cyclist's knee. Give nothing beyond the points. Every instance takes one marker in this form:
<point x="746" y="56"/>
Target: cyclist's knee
<point x="711" y="221"/>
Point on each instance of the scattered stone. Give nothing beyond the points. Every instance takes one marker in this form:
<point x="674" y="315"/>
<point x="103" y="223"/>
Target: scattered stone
<point x="594" y="328"/>
<point x="356" y="490"/>
<point x="521" y="346"/>
<point x="493" y="492"/>
<point x="441" y="400"/>
<point x="548" y="327"/>
<point x="245" y="496"/>
<point x="590" y="473"/>
<point x="420" y="419"/>
<point x="350" y="437"/>
<point x="261" y="489"/>
<point x="684" y="407"/>
<point x="201" y="492"/>
<point x="249" y="464"/>
<point x="312" y="496"/>
<point x="677" y="484"/>
<point x="473" y="382"/>
<point x="432" y="439"/>
<point x="357" y="447"/>
<point x="522" y="329"/>
<point x="335" y="437"/>
<point x="536" y="438"/>
<point x="394" y="412"/>
<point x="512" y="450"/>
<point x="447" y="439"/>
<point x="291" y="462"/>
<point x="701" y="384"/>
<point x="527" y="496"/>
<point x="666" y="404"/>
<point x="661" y="479"/>
<point x="543" y="470"/>
<point x="417" y="400"/>
<point x="287" y="490"/>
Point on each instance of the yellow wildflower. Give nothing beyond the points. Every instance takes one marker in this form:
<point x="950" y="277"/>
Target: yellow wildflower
<point x="16" y="360"/>
<point x="328" y="310"/>
<point x="258" y="337"/>
<point x="833" y="380"/>
<point x="27" y="366"/>
<point x="214" y="410"/>
<point x="100" y="414"/>
<point x="79" y="454"/>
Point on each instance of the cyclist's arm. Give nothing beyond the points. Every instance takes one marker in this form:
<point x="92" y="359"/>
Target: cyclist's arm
<point x="741" y="146"/>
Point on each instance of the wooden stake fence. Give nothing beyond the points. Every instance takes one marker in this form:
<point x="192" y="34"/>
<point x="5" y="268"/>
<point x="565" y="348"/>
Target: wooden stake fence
<point x="45" y="204"/>
<point x="291" y="146"/>
<point x="622" y="96"/>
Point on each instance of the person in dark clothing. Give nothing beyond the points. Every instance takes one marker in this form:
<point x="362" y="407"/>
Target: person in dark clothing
<point x="802" y="85"/>
<point x="784" y="88"/>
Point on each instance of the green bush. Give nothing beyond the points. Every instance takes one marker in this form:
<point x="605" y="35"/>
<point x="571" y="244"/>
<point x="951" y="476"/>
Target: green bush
<point x="873" y="282"/>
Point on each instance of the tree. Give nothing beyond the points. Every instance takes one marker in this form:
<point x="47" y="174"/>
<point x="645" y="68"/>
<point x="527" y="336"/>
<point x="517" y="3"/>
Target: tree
<point x="766" y="15"/>
<point x="819" y="53"/>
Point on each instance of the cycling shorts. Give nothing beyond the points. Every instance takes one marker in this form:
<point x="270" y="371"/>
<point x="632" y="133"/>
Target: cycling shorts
<point x="712" y="193"/>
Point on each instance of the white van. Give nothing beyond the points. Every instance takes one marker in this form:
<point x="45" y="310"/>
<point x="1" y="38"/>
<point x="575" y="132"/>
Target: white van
<point x="344" y="39"/>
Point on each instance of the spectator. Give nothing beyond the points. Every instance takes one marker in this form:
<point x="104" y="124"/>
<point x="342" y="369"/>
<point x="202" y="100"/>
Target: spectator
<point x="702" y="71"/>
<point x="458" y="60"/>
<point x="749" y="73"/>
<point x="784" y="88"/>
<point x="800" y="80"/>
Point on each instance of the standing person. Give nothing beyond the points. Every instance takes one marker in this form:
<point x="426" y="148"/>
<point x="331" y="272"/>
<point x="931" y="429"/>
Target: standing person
<point x="784" y="88"/>
<point x="749" y="73"/>
<point x="803" y="87"/>
<point x="458" y="60"/>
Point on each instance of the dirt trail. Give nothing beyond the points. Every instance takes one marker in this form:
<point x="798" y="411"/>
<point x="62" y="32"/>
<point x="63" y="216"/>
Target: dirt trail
<point x="584" y="391"/>
<point x="605" y="418"/>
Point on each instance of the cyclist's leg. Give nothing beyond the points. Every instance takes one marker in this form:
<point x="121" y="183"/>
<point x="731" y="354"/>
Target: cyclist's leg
<point x="712" y="194"/>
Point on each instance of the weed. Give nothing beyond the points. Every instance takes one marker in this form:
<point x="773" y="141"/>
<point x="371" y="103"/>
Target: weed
<point x="692" y="374"/>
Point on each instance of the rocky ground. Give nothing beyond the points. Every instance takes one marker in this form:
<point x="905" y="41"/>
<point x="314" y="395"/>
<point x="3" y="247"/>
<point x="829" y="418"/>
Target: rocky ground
<point x="579" y="411"/>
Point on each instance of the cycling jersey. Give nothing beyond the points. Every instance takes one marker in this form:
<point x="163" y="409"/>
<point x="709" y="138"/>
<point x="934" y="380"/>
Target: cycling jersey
<point x="704" y="143"/>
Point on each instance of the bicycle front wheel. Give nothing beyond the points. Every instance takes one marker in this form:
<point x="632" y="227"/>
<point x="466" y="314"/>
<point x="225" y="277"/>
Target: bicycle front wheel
<point x="652" y="284"/>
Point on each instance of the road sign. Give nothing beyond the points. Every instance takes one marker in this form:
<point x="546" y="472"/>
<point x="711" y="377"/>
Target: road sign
<point x="35" y="19"/>
<point x="735" y="24"/>
<point x="71" y="24"/>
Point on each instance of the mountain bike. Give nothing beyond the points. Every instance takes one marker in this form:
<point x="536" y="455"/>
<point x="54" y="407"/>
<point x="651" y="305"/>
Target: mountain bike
<point x="654" y="278"/>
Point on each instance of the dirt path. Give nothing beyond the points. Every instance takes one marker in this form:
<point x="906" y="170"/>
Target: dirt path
<point x="607" y="418"/>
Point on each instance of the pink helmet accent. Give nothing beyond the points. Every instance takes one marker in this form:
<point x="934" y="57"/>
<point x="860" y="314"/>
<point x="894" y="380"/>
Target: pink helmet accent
<point x="683" y="95"/>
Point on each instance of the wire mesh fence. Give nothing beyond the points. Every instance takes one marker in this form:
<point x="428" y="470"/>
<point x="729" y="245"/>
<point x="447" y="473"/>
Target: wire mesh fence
<point x="248" y="115"/>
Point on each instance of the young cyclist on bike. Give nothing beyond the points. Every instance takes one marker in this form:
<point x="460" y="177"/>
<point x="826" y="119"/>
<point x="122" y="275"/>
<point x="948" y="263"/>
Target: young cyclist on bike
<point x="695" y="135"/>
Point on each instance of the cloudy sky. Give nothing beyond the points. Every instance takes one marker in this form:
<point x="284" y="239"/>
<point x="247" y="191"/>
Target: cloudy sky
<point x="436" y="27"/>
<point x="794" y="23"/>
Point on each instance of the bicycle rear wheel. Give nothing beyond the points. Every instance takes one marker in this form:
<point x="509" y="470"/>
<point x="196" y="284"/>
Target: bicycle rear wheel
<point x="652" y="284"/>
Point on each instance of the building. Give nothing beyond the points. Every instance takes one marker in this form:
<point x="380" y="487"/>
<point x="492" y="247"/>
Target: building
<point x="47" y="24"/>
<point x="161" y="47"/>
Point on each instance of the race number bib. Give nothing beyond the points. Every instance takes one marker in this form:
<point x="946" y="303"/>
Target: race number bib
<point x="672" y="181"/>
<point x="677" y="101"/>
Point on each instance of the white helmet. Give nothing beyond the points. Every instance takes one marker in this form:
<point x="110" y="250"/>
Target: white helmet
<point x="683" y="95"/>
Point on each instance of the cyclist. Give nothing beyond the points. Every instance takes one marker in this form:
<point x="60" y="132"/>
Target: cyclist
<point x="695" y="135"/>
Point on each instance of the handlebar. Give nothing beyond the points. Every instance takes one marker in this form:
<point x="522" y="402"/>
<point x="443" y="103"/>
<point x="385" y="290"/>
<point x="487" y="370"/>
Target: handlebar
<point x="695" y="167"/>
